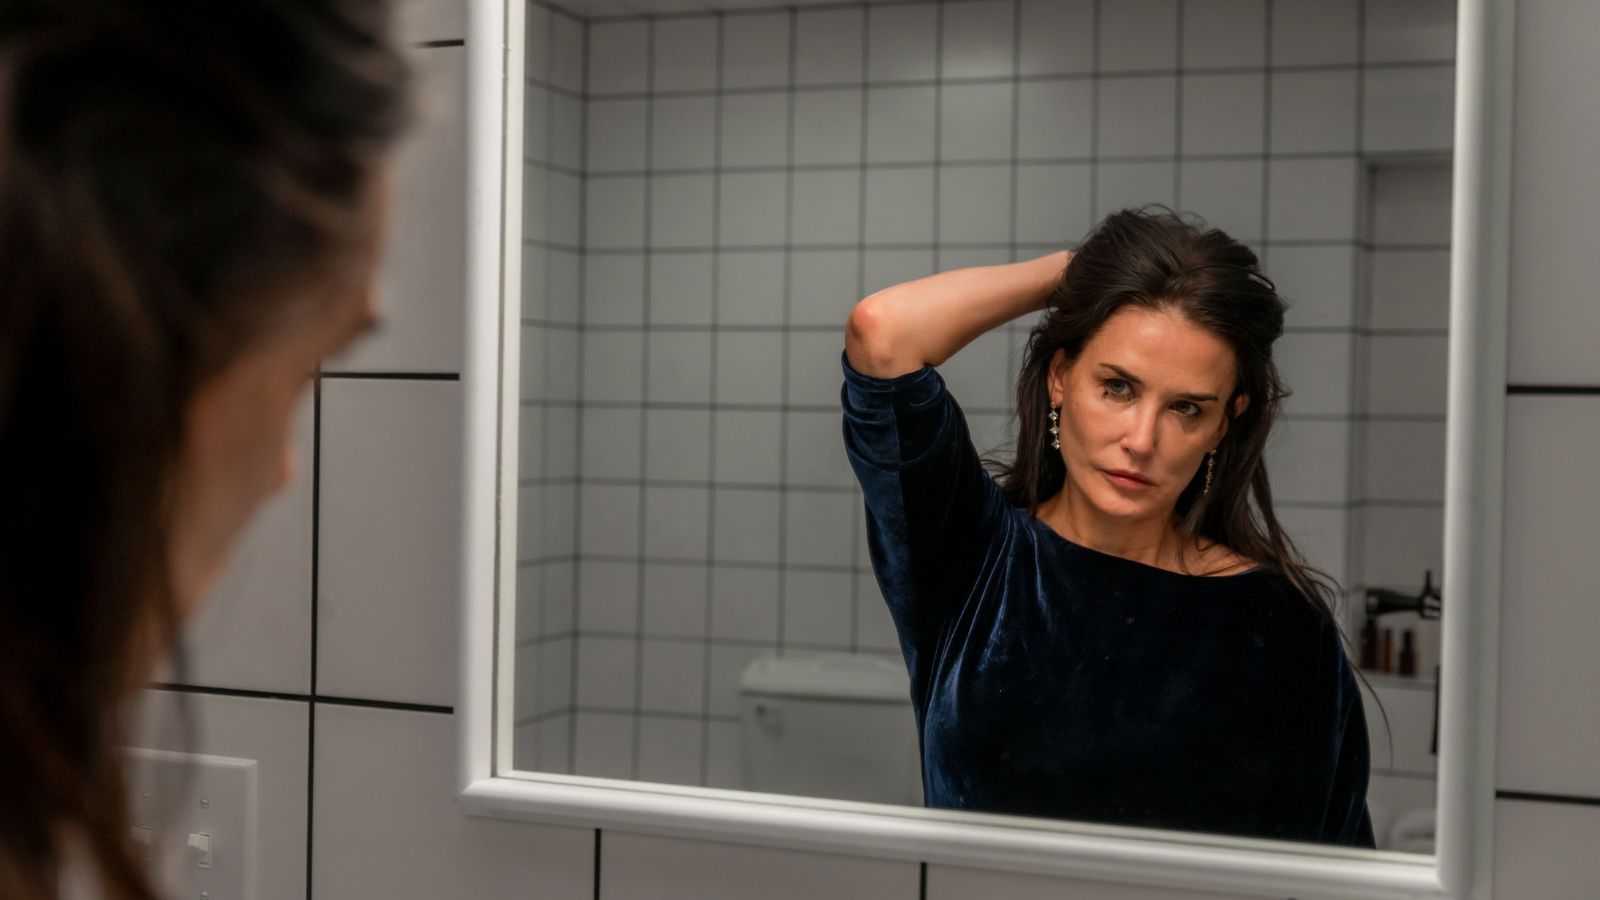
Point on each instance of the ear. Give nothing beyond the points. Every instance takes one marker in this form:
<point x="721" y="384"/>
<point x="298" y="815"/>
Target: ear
<point x="1056" y="380"/>
<point x="1240" y="404"/>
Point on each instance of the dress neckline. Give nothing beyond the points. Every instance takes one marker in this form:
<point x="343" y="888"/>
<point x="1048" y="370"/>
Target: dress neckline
<point x="1042" y="525"/>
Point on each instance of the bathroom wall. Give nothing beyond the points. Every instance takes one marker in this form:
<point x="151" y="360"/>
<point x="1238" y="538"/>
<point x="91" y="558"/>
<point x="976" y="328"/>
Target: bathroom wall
<point x="709" y="194"/>
<point x="357" y="787"/>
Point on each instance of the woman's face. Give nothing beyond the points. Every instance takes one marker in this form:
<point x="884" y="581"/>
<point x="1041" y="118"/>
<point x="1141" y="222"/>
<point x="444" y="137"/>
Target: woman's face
<point x="238" y="446"/>
<point x="1145" y="396"/>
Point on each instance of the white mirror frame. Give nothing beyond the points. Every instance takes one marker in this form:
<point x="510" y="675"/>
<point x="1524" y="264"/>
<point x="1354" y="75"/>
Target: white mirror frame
<point x="1472" y="567"/>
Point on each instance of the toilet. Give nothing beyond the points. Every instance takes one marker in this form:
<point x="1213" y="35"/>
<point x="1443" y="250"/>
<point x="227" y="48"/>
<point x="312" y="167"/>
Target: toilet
<point x="832" y="725"/>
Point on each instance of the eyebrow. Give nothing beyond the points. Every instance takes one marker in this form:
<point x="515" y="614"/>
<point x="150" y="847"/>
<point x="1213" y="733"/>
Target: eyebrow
<point x="1133" y="379"/>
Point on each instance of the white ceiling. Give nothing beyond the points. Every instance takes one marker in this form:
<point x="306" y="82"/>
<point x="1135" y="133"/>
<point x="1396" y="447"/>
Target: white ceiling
<point x="589" y="8"/>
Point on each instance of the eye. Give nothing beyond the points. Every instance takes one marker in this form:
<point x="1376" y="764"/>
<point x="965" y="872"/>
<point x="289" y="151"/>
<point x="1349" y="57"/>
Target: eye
<point x="1110" y="382"/>
<point x="1195" y="410"/>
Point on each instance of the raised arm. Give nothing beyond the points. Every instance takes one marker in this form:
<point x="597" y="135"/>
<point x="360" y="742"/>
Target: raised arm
<point x="926" y="320"/>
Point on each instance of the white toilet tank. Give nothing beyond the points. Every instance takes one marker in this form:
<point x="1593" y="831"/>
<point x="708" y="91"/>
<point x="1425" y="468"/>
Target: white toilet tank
<point x="836" y="725"/>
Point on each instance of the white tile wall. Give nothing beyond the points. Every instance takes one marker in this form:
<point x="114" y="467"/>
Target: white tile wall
<point x="643" y="867"/>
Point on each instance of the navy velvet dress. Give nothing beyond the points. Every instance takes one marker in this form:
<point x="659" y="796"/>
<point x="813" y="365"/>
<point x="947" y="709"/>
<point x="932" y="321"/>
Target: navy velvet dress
<point x="1051" y="679"/>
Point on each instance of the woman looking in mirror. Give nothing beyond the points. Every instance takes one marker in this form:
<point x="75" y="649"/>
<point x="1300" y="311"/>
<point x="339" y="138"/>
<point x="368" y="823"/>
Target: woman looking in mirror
<point x="191" y="204"/>
<point x="1116" y="628"/>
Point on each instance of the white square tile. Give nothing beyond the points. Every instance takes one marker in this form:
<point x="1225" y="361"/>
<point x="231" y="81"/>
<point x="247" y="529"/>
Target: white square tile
<point x="422" y="275"/>
<point x="823" y="286"/>
<point x="682" y="132"/>
<point x="977" y="39"/>
<point x="684" y="57"/>
<point x="536" y="34"/>
<point x="606" y="672"/>
<point x="900" y="124"/>
<point x="900" y="206"/>
<point x="883" y="268"/>
<point x="1410" y="31"/>
<point x="1054" y="119"/>
<point x="389" y="766"/>
<point x="744" y="603"/>
<point x="817" y="608"/>
<point x="748" y="446"/>
<point x="1314" y="112"/>
<point x="1407" y="374"/>
<point x="1404" y="461"/>
<point x="613" y="289"/>
<point x="827" y="127"/>
<point x="557" y="513"/>
<point x="1226" y="193"/>
<point x="746" y="526"/>
<point x="724" y="767"/>
<point x="562" y="289"/>
<point x="902" y="42"/>
<point x="1316" y="369"/>
<point x="608" y="595"/>
<point x="679" y="444"/>
<point x="253" y="630"/>
<point x="274" y="733"/>
<point x="680" y="288"/>
<point x="638" y="866"/>
<point x="1549" y="618"/>
<point x="748" y="368"/>
<point x="566" y="51"/>
<point x="565" y="193"/>
<point x="1052" y="37"/>
<point x="1312" y="199"/>
<point x="1052" y="202"/>
<point x="608" y="520"/>
<point x="1410" y="289"/>
<point x="433" y="20"/>
<point x="750" y="288"/>
<point x="566" y="131"/>
<point x="813" y="368"/>
<point x="953" y="882"/>
<point x="675" y="522"/>
<point x="755" y="129"/>
<point x="680" y="211"/>
<point x="1133" y="184"/>
<point x="815" y="455"/>
<point x="826" y="208"/>
<point x="553" y="689"/>
<point x="670" y="749"/>
<point x="1307" y="460"/>
<point x="675" y="599"/>
<point x="828" y="46"/>
<point x="680" y="367"/>
<point x="1138" y="35"/>
<point x="1318" y="283"/>
<point x="1315" y="32"/>
<point x="755" y="50"/>
<point x="1545" y="850"/>
<point x="875" y="629"/>
<point x="1408" y="110"/>
<point x="817" y="528"/>
<point x="616" y="139"/>
<point x="1400" y="544"/>
<point x="1223" y="113"/>
<point x="975" y="122"/>
<point x="610" y="443"/>
<point x="752" y="209"/>
<point x="560" y="590"/>
<point x="980" y="375"/>
<point x="1322" y="534"/>
<point x="974" y="204"/>
<point x="673" y="677"/>
<point x="1556" y="131"/>
<point x="561" y="368"/>
<point x="611" y="365"/>
<point x="616" y="53"/>
<point x="603" y="744"/>
<point x="614" y="212"/>
<point x="1224" y="33"/>
<point x="389" y="558"/>
<point x="1137" y="117"/>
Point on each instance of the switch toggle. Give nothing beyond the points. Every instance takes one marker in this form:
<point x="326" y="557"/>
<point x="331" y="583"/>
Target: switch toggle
<point x="200" y="850"/>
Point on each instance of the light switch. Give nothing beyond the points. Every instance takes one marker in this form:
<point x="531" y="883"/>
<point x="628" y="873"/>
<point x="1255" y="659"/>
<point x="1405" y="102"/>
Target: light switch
<point x="197" y="815"/>
<point x="200" y="850"/>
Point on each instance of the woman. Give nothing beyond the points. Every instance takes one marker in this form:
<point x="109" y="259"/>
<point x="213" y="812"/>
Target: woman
<point x="1117" y="629"/>
<point x="191" y="202"/>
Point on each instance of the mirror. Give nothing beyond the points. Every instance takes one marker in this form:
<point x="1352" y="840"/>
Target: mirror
<point x="709" y="188"/>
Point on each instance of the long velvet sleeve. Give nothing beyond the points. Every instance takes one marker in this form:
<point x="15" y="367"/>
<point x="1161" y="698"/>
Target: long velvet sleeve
<point x="928" y="499"/>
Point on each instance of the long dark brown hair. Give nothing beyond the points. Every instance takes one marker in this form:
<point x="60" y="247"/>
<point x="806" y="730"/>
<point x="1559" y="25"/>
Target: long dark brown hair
<point x="169" y="172"/>
<point x="1152" y="258"/>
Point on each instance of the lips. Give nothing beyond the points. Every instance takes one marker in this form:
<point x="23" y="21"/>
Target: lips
<point x="1125" y="475"/>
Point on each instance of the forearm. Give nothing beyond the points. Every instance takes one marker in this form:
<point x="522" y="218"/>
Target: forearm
<point x="926" y="320"/>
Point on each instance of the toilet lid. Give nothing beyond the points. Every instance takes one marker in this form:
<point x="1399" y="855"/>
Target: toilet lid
<point x="835" y="676"/>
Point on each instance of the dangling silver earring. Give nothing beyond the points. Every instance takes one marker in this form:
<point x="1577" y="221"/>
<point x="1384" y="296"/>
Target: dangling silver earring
<point x="1055" y="440"/>
<point x="1211" y="463"/>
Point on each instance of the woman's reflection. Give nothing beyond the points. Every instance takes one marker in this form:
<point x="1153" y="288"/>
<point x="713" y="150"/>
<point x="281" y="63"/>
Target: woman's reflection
<point x="1115" y="627"/>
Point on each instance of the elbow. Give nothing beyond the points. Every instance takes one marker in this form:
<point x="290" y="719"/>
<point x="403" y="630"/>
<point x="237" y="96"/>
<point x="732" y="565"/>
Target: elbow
<point x="869" y="340"/>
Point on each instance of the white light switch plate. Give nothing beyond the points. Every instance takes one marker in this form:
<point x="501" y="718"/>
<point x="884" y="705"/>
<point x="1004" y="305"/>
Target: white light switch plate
<point x="201" y="814"/>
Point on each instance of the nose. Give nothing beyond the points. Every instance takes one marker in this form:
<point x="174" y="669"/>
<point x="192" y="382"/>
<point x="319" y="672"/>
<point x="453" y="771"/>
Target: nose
<point x="1140" y="438"/>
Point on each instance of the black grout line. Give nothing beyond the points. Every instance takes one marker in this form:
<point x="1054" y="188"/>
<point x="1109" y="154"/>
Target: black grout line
<point x="642" y="422"/>
<point x="1582" y="390"/>
<point x="577" y="494"/>
<point x="597" y="833"/>
<point x="309" y="699"/>
<point x="447" y="42"/>
<point x="390" y="376"/>
<point x="316" y="567"/>
<point x="857" y="520"/>
<point x="783" y="350"/>
<point x="711" y="480"/>
<point x="1094" y="114"/>
<point x="1538" y="797"/>
<point x="922" y="881"/>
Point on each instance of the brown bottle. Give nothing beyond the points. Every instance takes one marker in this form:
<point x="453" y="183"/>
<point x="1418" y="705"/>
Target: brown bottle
<point x="1408" y="654"/>
<point x="1386" y="651"/>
